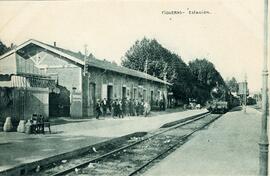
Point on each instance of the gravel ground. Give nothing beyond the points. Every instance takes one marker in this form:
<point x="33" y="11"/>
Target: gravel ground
<point x="228" y="147"/>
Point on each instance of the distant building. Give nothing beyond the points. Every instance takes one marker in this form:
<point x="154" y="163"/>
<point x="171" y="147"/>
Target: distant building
<point x="79" y="80"/>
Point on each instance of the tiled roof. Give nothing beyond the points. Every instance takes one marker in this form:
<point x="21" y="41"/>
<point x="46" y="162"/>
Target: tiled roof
<point x="79" y="59"/>
<point x="110" y="66"/>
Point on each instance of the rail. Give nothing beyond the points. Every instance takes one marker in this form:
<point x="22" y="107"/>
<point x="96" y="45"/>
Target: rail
<point x="99" y="158"/>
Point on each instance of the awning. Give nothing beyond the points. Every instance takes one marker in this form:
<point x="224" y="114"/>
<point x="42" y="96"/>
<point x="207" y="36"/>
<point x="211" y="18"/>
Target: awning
<point x="26" y="81"/>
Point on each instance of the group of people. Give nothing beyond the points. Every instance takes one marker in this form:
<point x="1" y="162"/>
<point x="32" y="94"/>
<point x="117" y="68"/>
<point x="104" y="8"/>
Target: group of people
<point x="120" y="108"/>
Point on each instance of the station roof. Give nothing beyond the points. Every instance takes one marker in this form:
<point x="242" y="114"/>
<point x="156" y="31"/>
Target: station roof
<point x="78" y="58"/>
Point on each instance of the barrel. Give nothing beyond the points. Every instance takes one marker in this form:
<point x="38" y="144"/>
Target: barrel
<point x="21" y="126"/>
<point x="8" y="125"/>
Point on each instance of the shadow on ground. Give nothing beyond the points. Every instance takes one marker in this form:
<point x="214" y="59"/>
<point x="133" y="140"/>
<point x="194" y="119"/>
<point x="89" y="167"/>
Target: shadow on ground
<point x="238" y="108"/>
<point x="62" y="120"/>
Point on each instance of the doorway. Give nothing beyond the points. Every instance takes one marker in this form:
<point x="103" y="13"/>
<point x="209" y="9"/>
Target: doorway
<point x="59" y="102"/>
<point x="110" y="93"/>
<point x="144" y="95"/>
<point x="124" y="92"/>
<point x="152" y="98"/>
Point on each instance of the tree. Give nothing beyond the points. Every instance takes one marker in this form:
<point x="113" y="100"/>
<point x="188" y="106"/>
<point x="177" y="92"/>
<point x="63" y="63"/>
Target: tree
<point x="232" y="84"/>
<point x="151" y="57"/>
<point x="3" y="48"/>
<point x="204" y="78"/>
<point x="189" y="81"/>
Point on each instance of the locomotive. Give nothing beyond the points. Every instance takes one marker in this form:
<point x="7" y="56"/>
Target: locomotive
<point x="221" y="100"/>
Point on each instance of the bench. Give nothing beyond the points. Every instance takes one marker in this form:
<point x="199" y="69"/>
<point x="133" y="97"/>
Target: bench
<point x="39" y="123"/>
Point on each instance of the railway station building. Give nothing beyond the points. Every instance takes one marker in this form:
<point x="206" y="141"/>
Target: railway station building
<point x="72" y="82"/>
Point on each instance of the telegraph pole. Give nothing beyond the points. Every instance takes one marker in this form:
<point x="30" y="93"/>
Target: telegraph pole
<point x="165" y="80"/>
<point x="85" y="69"/>
<point x="245" y="93"/>
<point x="146" y="66"/>
<point x="263" y="144"/>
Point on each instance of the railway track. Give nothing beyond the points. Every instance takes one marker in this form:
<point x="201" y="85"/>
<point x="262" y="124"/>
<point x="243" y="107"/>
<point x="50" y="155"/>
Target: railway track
<point x="135" y="155"/>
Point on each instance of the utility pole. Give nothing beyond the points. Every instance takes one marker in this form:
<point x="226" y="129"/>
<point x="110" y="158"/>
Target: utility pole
<point x="85" y="68"/>
<point x="165" y="80"/>
<point x="263" y="144"/>
<point x="165" y="72"/>
<point x="146" y="66"/>
<point x="245" y="93"/>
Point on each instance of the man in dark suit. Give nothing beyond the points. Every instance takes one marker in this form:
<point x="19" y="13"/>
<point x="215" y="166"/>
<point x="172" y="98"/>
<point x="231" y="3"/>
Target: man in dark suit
<point x="104" y="106"/>
<point x="98" y="109"/>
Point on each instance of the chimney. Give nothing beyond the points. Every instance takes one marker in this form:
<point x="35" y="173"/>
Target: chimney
<point x="54" y="44"/>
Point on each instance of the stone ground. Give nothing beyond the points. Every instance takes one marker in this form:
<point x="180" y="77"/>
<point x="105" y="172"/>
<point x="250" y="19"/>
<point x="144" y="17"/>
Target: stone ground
<point x="65" y="120"/>
<point x="110" y="127"/>
<point x="19" y="148"/>
<point x="228" y="147"/>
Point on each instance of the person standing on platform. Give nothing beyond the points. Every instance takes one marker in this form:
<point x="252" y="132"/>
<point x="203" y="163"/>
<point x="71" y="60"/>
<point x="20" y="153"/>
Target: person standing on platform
<point x="120" y="109"/>
<point x="98" y="109"/>
<point x="109" y="105"/>
<point x="124" y="107"/>
<point x="130" y="107"/>
<point x="116" y="107"/>
<point x="136" y="107"/>
<point x="142" y="107"/>
<point x="127" y="107"/>
<point x="115" y="110"/>
<point x="112" y="107"/>
<point x="147" y="109"/>
<point x="104" y="106"/>
<point x="161" y="104"/>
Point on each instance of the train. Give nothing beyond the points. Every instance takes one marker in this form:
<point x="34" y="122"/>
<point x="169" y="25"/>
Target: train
<point x="221" y="100"/>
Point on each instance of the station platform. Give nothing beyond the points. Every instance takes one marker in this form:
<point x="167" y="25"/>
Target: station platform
<point x="229" y="146"/>
<point x="18" y="149"/>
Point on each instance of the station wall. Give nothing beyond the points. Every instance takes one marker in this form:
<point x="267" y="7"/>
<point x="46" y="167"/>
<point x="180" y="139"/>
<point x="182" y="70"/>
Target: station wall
<point x="68" y="75"/>
<point x="100" y="83"/>
<point x="86" y="88"/>
<point x="22" y="103"/>
<point x="8" y="64"/>
<point x="83" y="89"/>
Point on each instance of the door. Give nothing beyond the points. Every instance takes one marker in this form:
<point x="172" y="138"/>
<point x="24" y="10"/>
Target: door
<point x="124" y="92"/>
<point x="144" y="95"/>
<point x="59" y="103"/>
<point x="110" y="92"/>
<point x="152" y="98"/>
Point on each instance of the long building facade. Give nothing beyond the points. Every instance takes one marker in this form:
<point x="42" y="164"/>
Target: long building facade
<point x="80" y="80"/>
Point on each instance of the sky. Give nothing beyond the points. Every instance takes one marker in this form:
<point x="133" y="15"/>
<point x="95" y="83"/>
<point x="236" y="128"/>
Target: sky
<point x="230" y="35"/>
